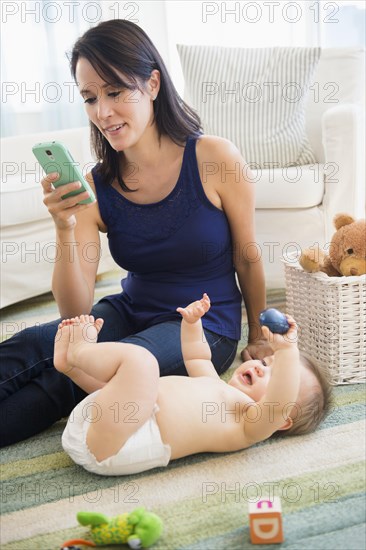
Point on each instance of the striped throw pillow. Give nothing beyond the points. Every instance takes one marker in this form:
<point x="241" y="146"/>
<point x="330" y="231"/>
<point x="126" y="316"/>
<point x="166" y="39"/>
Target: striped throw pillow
<point x="255" y="97"/>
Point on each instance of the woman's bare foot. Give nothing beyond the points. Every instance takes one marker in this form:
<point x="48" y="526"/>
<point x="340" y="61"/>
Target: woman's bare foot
<point x="70" y="335"/>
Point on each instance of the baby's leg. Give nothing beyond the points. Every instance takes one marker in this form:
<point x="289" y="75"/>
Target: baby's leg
<point x="76" y="352"/>
<point x="126" y="402"/>
<point x="64" y="335"/>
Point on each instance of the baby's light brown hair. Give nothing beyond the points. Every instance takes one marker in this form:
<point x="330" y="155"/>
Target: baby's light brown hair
<point x="314" y="407"/>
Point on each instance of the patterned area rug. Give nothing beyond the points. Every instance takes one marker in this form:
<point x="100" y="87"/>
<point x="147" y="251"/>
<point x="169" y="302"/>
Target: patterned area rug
<point x="203" y="499"/>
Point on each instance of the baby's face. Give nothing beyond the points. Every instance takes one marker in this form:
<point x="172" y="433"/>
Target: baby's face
<point x="252" y="377"/>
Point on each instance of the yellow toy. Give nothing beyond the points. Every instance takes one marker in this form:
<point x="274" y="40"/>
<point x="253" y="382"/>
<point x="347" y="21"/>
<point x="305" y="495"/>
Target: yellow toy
<point x="138" y="529"/>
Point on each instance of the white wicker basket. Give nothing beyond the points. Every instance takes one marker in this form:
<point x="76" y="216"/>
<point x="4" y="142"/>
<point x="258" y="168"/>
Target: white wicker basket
<point x="331" y="315"/>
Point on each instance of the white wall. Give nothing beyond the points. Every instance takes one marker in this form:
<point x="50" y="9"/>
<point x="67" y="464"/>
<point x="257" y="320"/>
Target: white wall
<point x="37" y="33"/>
<point x="38" y="92"/>
<point x="150" y="15"/>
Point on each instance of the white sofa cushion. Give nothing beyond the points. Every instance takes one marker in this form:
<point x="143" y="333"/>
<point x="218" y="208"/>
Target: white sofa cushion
<point x="21" y="190"/>
<point x="21" y="202"/>
<point x="255" y="97"/>
<point x="339" y="78"/>
<point x="17" y="153"/>
<point x="294" y="187"/>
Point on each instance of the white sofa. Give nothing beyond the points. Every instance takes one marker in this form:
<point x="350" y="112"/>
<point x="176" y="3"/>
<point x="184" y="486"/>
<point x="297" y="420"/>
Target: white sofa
<point x="295" y="206"/>
<point x="28" y="250"/>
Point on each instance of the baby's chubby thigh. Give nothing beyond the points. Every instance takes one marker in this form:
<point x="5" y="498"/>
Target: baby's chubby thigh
<point x="125" y="403"/>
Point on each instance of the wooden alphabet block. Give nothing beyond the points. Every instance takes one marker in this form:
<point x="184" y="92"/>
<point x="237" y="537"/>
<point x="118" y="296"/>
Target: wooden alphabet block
<point x="265" y="521"/>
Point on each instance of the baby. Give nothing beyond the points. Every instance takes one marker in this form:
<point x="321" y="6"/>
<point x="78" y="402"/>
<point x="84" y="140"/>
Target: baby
<point x="134" y="420"/>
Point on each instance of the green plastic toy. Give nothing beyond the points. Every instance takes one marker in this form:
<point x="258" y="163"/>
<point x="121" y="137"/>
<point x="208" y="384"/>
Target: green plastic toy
<point x="138" y="529"/>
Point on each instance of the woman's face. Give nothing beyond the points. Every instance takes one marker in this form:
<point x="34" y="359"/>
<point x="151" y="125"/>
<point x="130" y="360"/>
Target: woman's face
<point x="123" y="116"/>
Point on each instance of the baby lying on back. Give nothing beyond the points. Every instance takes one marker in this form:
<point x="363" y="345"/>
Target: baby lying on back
<point x="134" y="420"/>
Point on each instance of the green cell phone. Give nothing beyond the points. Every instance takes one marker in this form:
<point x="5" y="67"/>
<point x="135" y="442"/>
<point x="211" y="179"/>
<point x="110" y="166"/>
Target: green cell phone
<point x="53" y="156"/>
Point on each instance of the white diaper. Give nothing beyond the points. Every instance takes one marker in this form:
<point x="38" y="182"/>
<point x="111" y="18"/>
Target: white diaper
<point x="144" y="450"/>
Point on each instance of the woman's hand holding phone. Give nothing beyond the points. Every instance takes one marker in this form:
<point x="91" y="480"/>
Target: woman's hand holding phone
<point x="63" y="210"/>
<point x="65" y="190"/>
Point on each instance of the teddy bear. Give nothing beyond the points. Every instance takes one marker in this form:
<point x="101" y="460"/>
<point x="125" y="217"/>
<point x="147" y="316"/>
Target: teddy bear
<point x="347" y="251"/>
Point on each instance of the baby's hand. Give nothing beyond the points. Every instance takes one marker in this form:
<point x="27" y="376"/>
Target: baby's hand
<point x="194" y="311"/>
<point x="282" y="341"/>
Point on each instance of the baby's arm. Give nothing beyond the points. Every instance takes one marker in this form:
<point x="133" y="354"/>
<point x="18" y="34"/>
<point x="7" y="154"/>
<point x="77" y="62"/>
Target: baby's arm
<point x="195" y="349"/>
<point x="283" y="388"/>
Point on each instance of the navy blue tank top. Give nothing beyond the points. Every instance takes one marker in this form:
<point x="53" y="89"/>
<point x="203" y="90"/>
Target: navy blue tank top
<point x="174" y="250"/>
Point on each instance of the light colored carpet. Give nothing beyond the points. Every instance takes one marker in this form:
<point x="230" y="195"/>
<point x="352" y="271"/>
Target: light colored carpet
<point x="203" y="499"/>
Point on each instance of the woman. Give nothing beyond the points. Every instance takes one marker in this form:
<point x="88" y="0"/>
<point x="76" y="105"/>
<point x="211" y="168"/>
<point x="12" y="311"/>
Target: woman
<point x="179" y="218"/>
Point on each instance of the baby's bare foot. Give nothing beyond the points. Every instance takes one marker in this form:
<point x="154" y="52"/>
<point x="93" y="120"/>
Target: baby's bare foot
<point x="71" y="333"/>
<point x="62" y="341"/>
<point x="84" y="331"/>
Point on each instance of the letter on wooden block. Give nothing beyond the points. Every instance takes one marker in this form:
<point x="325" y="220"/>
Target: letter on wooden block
<point x="265" y="521"/>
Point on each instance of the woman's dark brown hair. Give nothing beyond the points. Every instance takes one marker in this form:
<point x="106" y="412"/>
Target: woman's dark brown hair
<point x="120" y="45"/>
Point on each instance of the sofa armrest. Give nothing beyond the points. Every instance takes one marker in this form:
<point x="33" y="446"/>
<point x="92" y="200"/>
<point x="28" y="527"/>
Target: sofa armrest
<point x="344" y="148"/>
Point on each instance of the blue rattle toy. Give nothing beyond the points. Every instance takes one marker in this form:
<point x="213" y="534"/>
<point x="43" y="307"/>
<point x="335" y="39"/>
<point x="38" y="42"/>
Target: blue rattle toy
<point x="274" y="320"/>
